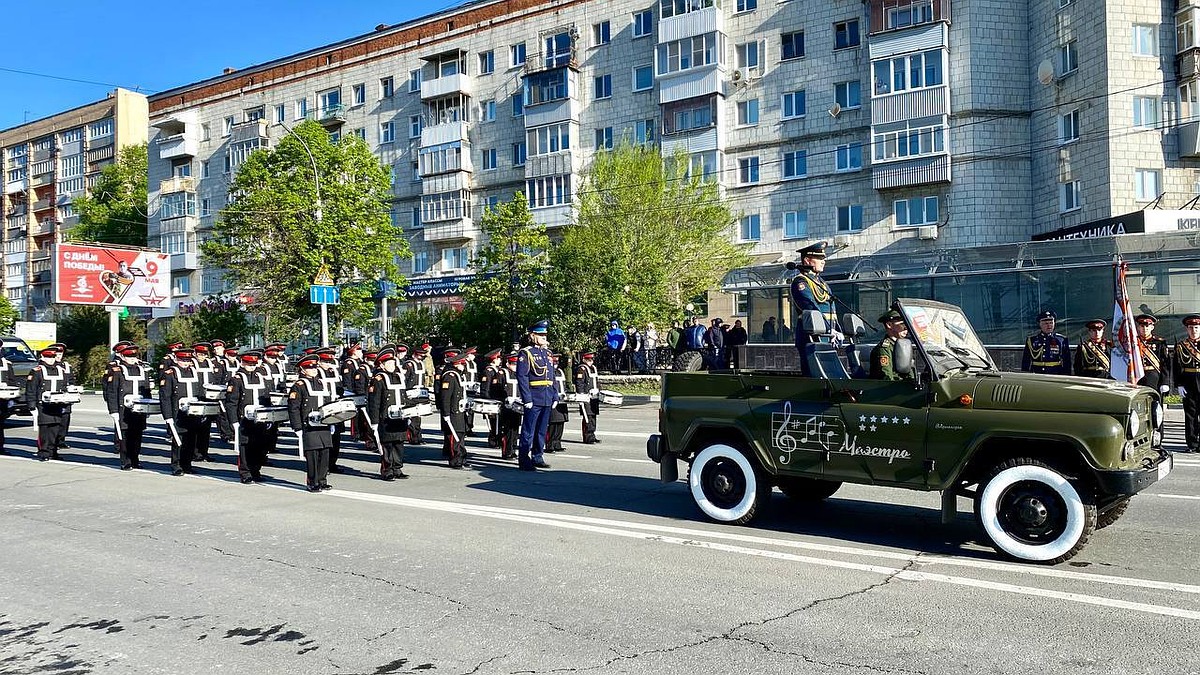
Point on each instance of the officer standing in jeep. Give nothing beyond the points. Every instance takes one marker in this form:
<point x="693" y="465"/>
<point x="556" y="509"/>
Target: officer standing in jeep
<point x="1046" y="351"/>
<point x="809" y="291"/>
<point x="882" y="366"/>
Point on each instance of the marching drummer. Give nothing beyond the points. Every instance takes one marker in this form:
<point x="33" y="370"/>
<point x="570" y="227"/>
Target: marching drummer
<point x="332" y="377"/>
<point x="209" y="377"/>
<point x="248" y="386"/>
<point x="48" y="377"/>
<point x="306" y="397"/>
<point x="587" y="381"/>
<point x="504" y="388"/>
<point x="451" y="404"/>
<point x="558" y="414"/>
<point x="181" y="381"/>
<point x="490" y="371"/>
<point x="386" y="392"/>
<point x="129" y="377"/>
<point x="414" y="378"/>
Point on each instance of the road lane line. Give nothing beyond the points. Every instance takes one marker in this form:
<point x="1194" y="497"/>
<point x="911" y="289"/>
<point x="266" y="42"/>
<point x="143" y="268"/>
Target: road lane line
<point x="623" y="434"/>
<point x="570" y="456"/>
<point x="1157" y="494"/>
<point x="633" y="461"/>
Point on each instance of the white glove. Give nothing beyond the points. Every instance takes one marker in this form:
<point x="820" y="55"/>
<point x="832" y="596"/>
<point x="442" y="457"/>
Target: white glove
<point x="1182" y="391"/>
<point x="529" y="406"/>
<point x="1164" y="389"/>
<point x="837" y="337"/>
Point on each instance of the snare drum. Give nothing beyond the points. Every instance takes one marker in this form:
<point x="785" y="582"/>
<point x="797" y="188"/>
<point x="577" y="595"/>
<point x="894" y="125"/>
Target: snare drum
<point x="485" y="406"/>
<point x="395" y="412"/>
<point x="9" y="393"/>
<point x="214" y="392"/>
<point x="515" y="405"/>
<point x="277" y="397"/>
<point x="578" y="398"/>
<point x="60" y="398"/>
<point x="358" y="401"/>
<point x="195" y="407"/>
<point x="266" y="413"/>
<point x="609" y="397"/>
<point x="335" y="412"/>
<point x="74" y="388"/>
<point x="145" y="406"/>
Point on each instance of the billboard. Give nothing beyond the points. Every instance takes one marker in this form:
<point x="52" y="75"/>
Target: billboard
<point x="121" y="277"/>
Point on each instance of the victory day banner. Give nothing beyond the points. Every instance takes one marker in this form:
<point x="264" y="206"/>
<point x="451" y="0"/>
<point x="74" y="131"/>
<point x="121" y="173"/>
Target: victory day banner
<point x="96" y="275"/>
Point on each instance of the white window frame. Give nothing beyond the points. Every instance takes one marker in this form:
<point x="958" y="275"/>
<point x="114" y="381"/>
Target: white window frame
<point x="1145" y="39"/>
<point x="604" y="138"/>
<point x="745" y="6"/>
<point x="855" y="35"/>
<point x="645" y="131"/>
<point x="850" y="218"/>
<point x="799" y="95"/>
<point x="634" y="77"/>
<point x="844" y="156"/>
<point x="748" y="113"/>
<point x="358" y="94"/>
<point x="1142" y="188"/>
<point x="387" y="132"/>
<point x="1068" y="58"/>
<point x="908" y="72"/>
<point x="487" y="111"/>
<point x="913" y="14"/>
<point x="803" y="45"/>
<point x="387" y="87"/>
<point x="420" y="260"/>
<point x="489" y="159"/>
<point x="520" y="153"/>
<point x="643" y="24"/>
<point x="517" y="55"/>
<point x="301" y="108"/>
<point x="789" y="163"/>
<point x="903" y="209"/>
<point x="1068" y="127"/>
<point x="487" y="62"/>
<point x="843" y="90"/>
<point x="1147" y="112"/>
<point x="415" y="124"/>
<point x="750" y="228"/>
<point x="414" y="80"/>
<point x="601" y="33"/>
<point x="602" y="87"/>
<point x="1069" y="196"/>
<point x="797" y="221"/>
<point x="749" y="170"/>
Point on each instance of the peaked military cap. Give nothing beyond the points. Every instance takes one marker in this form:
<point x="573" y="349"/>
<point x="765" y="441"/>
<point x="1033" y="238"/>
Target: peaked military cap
<point x="890" y="315"/>
<point x="816" y="250"/>
<point x="1097" y="323"/>
<point x="540" y="327"/>
<point x="1046" y="314"/>
<point x="1191" y="320"/>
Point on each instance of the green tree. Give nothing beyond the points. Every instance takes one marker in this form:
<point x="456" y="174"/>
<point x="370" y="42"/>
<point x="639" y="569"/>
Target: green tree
<point x="276" y="234"/>
<point x="506" y="293"/>
<point x="115" y="209"/>
<point x="9" y="315"/>
<point x="84" y="330"/>
<point x="647" y="238"/>
<point x="215" y="319"/>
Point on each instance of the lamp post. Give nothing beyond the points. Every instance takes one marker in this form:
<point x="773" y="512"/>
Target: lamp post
<point x="316" y="218"/>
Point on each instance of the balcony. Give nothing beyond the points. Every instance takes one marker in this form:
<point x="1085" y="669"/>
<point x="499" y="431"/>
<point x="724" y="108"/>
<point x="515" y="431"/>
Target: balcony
<point x="1189" y="139"/>
<point x="42" y="277"/>
<point x="459" y="83"/>
<point x="452" y="230"/>
<point x="42" y="180"/>
<point x="910" y="105"/>
<point x="184" y="224"/>
<point x="14" y="186"/>
<point x="45" y="227"/>
<point x="329" y="116"/>
<point x="39" y="254"/>
<point x="691" y="83"/>
<point x="248" y="131"/>
<point x="42" y="205"/>
<point x="909" y="172"/>
<point x="893" y="15"/>
<point x="691" y="24"/>
<point x="177" y="184"/>
<point x="552" y="216"/>
<point x="542" y="62"/>
<point x="179" y="145"/>
<point x="446" y="132"/>
<point x="185" y="261"/>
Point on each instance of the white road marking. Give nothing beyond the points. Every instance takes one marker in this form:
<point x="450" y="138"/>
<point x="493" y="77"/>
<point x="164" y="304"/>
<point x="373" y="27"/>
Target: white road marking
<point x="570" y="456"/>
<point x="633" y="461"/>
<point x="1174" y="496"/>
<point x="603" y="432"/>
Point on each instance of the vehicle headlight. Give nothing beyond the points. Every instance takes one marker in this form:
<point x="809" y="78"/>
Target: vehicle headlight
<point x="1156" y="414"/>
<point x="1135" y="424"/>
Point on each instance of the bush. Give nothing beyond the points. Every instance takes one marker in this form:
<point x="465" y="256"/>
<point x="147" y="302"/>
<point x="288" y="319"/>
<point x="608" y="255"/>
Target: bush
<point x="93" y="367"/>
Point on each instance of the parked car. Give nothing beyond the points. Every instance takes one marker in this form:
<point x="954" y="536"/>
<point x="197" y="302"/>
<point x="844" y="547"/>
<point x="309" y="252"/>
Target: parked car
<point x="23" y="360"/>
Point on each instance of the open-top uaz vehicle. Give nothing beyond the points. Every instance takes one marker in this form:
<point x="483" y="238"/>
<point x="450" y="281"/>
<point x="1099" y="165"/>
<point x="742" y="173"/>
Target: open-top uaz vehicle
<point x="1046" y="459"/>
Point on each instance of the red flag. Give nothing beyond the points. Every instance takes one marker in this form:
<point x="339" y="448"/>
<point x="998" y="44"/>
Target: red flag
<point x="1126" y="354"/>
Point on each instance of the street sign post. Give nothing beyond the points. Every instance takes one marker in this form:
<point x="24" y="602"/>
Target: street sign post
<point x="322" y="292"/>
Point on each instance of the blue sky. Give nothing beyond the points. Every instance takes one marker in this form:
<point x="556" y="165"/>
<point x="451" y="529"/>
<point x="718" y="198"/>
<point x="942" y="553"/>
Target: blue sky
<point x="157" y="45"/>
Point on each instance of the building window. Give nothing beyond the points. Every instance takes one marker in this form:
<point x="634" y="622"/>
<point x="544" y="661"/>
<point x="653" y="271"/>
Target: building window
<point x="361" y="133"/>
<point x="691" y="52"/>
<point x="1145" y="40"/>
<point x="1068" y="58"/>
<point x="487" y="111"/>
<point x="280" y="113"/>
<point x="746" y="5"/>
<point x="181" y="285"/>
<point x="358" y="94"/>
<point x="1068" y="127"/>
<point x="848" y="157"/>
<point x="549" y="139"/>
<point x="100" y="129"/>
<point x="414" y="216"/>
<point x="179" y="169"/>
<point x="414" y="80"/>
<point x="489" y="159"/>
<point x="751" y="228"/>
<point x="387" y="132"/>
<point x="601" y="33"/>
<point x="604" y="138"/>
<point x="71" y="136"/>
<point x="228" y="126"/>
<point x="910" y="139"/>
<point x="301" y="108"/>
<point x="741" y="303"/>
<point x="643" y="78"/>
<point x="420" y="264"/>
<point x="792" y="46"/>
<point x="747" y="112"/>
<point x="916" y="211"/>
<point x="1145" y="112"/>
<point x="643" y="23"/>
<point x="487" y="62"/>
<point x="177" y="205"/>
<point x="1068" y="196"/>
<point x="795" y="164"/>
<point x="548" y="191"/>
<point x="204" y="168"/>
<point x="205" y="208"/>
<point x="794" y="105"/>
<point x="845" y="34"/>
<point x="255" y="114"/>
<point x="548" y="86"/>
<point x="850" y="218"/>
<point x="670" y="8"/>
<point x="518" y="154"/>
<point x="912" y="15"/>
<point x="414" y="126"/>
<point x="602" y="87"/>
<point x="518" y="104"/>
<point x="441" y="158"/>
<point x="454" y="205"/>
<point x="913" y="71"/>
<point x="643" y="131"/>
<point x="1189" y="100"/>
<point x="748" y="170"/>
<point x="1147" y="184"/>
<point x="517" y="54"/>
<point x="387" y="87"/>
<point x="848" y="94"/>
<point x="795" y="224"/>
<point x="747" y="56"/>
<point x="206" y="132"/>
<point x="455" y="258"/>
<point x="688" y="115"/>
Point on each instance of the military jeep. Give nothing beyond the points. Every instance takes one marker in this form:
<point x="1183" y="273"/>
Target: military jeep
<point x="1047" y="459"/>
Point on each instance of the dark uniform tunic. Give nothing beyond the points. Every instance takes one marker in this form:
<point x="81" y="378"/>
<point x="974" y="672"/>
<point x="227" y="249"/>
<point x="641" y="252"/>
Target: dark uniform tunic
<point x="535" y="381"/>
<point x="414" y="376"/>
<point x="227" y="369"/>
<point x="180" y="382"/>
<point x="882" y="365"/>
<point x="810" y="292"/>
<point x="277" y="374"/>
<point x="52" y="417"/>
<point x="587" y="381"/>
<point x="9" y="378"/>
<point x="246" y="388"/>
<point x="1050" y="354"/>
<point x="1154" y="363"/>
<point x="306" y="397"/>
<point x="354" y="379"/>
<point x="1187" y="375"/>
<point x="128" y="380"/>
<point x="1093" y="359"/>
<point x="451" y="403"/>
<point x="384" y="391"/>
<point x="209" y="375"/>
<point x="486" y="389"/>
<point x="503" y="387"/>
<point x="558" y="414"/>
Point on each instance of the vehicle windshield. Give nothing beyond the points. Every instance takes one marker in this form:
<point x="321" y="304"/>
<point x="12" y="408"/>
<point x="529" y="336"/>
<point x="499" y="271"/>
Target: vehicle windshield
<point x="947" y="337"/>
<point x="15" y="351"/>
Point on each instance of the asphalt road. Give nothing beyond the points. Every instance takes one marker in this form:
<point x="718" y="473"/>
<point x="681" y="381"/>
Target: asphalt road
<point x="591" y="566"/>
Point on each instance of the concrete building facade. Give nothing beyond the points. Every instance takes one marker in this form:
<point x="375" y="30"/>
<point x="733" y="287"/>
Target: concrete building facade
<point x="46" y="164"/>
<point x="886" y="126"/>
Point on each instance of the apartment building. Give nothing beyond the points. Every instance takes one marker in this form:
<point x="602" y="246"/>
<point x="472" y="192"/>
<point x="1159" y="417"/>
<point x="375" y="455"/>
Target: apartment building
<point x="890" y="126"/>
<point x="46" y="164"/>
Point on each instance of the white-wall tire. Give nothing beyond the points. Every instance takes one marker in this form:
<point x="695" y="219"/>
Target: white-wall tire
<point x="726" y="486"/>
<point x="1032" y="512"/>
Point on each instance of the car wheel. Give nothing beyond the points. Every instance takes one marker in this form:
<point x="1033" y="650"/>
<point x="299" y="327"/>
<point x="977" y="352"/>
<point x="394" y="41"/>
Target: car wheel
<point x="1112" y="514"/>
<point x="1032" y="512"/>
<point x="688" y="362"/>
<point x="807" y="489"/>
<point x="726" y="485"/>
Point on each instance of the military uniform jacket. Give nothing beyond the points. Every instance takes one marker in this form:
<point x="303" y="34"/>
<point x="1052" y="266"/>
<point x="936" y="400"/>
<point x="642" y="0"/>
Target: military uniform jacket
<point x="450" y="397"/>
<point x="808" y="292"/>
<point x="333" y="382"/>
<point x="178" y="383"/>
<point x="558" y="414"/>
<point x="307" y="396"/>
<point x="210" y="372"/>
<point x="125" y="379"/>
<point x="385" y="390"/>
<point x="164" y="363"/>
<point x="1154" y="361"/>
<point x="1187" y="365"/>
<point x="276" y="372"/>
<point x="501" y="385"/>
<point x="244" y="388"/>
<point x="1093" y="359"/>
<point x="535" y="377"/>
<point x="47" y="377"/>
<point x="471" y="376"/>
<point x="587" y="380"/>
<point x="882" y="366"/>
<point x="414" y="372"/>
<point x="1047" y="354"/>
<point x="354" y="377"/>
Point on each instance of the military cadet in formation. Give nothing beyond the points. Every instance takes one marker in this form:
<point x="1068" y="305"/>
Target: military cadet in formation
<point x="587" y="381"/>
<point x="503" y="388"/>
<point x="1154" y="355"/>
<point x="415" y="377"/>
<point x="48" y="377"/>
<point x="8" y="377"/>
<point x="60" y="350"/>
<point x="451" y="400"/>
<point x="386" y="390"/>
<point x="354" y="380"/>
<point x="809" y="291"/>
<point x="490" y="371"/>
<point x="882" y="365"/>
<point x="558" y="413"/>
<point x="471" y="384"/>
<point x="168" y="358"/>
<point x="535" y="381"/>
<point x="448" y="356"/>
<point x="206" y="371"/>
<point x="178" y="382"/>
<point x="306" y="397"/>
<point x="1187" y="379"/>
<point x="329" y="372"/>
<point x="1046" y="351"/>
<point x="249" y="385"/>
<point x="1093" y="357"/>
<point x="115" y="357"/>
<point x="222" y="368"/>
<point x="274" y="366"/>
<point x="132" y="377"/>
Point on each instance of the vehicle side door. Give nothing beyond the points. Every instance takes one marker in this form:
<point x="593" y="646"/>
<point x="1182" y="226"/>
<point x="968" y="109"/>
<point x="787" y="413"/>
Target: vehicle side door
<point x="882" y="435"/>
<point x="792" y="420"/>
